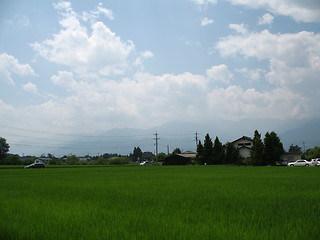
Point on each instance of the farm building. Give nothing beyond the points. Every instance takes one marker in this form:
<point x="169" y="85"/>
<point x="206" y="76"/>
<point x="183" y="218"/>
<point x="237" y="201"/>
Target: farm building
<point x="244" y="144"/>
<point x="287" y="157"/>
<point x="180" y="159"/>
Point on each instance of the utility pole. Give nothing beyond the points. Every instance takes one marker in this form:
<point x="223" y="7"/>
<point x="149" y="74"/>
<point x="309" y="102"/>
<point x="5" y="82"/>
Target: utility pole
<point x="196" y="138"/>
<point x="168" y="149"/>
<point x="156" y="138"/>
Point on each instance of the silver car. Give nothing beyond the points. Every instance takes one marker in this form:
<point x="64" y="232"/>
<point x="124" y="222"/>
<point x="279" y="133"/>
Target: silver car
<point x="299" y="163"/>
<point x="315" y="161"/>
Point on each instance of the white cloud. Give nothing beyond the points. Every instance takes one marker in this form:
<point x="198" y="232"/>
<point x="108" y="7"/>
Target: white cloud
<point x="293" y="61"/>
<point x="297" y="49"/>
<point x="203" y="4"/>
<point x="30" y="87"/>
<point x="236" y="103"/>
<point x="253" y="74"/>
<point x="266" y="19"/>
<point x="206" y="21"/>
<point x="301" y="11"/>
<point x="147" y="54"/>
<point x="9" y="65"/>
<point x="239" y="28"/>
<point x="219" y="73"/>
<point x="99" y="50"/>
<point x="148" y="100"/>
<point x="139" y="60"/>
<point x="94" y="14"/>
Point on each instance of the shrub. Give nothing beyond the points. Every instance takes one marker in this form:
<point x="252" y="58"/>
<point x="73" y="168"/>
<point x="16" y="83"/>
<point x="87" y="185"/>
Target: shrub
<point x="119" y="161"/>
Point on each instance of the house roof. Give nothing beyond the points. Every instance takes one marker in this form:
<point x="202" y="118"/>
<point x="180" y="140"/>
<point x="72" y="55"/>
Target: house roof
<point x="243" y="138"/>
<point x="147" y="155"/>
<point x="187" y="155"/>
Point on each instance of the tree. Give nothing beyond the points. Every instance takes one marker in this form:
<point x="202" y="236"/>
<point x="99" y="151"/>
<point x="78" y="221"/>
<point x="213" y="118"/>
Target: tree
<point x="72" y="160"/>
<point x="257" y="149"/>
<point x="4" y="148"/>
<point x="200" y="153"/>
<point x="176" y="151"/>
<point x="11" y="159"/>
<point x="294" y="149"/>
<point x="208" y="150"/>
<point x="137" y="153"/>
<point x="218" y="152"/>
<point x="160" y="157"/>
<point x="232" y="155"/>
<point x="313" y="153"/>
<point x="273" y="149"/>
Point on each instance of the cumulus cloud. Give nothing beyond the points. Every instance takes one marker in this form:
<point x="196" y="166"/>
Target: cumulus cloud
<point x="252" y="74"/>
<point x="235" y="102"/>
<point x="206" y="21"/>
<point x="95" y="14"/>
<point x="266" y="19"/>
<point x="219" y="73"/>
<point x="293" y="60"/>
<point x="239" y="28"/>
<point x="30" y="87"/>
<point x="148" y="100"/>
<point x="9" y="65"/>
<point x="147" y="54"/>
<point x="75" y="46"/>
<point x="301" y="11"/>
<point x="203" y="4"/>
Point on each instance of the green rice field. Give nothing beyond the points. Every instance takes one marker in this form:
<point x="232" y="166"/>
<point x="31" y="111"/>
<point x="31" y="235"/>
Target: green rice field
<point x="160" y="202"/>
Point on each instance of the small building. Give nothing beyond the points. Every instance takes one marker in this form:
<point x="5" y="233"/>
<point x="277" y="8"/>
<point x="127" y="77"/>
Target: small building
<point x="244" y="144"/>
<point x="287" y="156"/>
<point x="42" y="160"/>
<point x="180" y="159"/>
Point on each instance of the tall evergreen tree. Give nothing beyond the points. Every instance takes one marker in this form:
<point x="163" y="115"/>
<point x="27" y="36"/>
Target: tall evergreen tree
<point x="232" y="155"/>
<point x="257" y="150"/>
<point x="218" y="152"/>
<point x="295" y="149"/>
<point x="200" y="152"/>
<point x="4" y="148"/>
<point x="137" y="153"/>
<point x="208" y="150"/>
<point x="273" y="149"/>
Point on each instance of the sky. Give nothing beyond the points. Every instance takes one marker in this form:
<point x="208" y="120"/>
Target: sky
<point x="83" y="67"/>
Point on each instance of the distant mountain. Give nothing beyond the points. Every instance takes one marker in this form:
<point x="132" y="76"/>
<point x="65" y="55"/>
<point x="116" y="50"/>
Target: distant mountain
<point x="178" y="134"/>
<point x="306" y="135"/>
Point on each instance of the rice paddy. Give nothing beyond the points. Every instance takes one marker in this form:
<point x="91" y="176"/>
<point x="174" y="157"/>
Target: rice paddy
<point x="168" y="202"/>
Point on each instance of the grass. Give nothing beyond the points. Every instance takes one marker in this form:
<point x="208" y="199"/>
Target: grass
<point x="169" y="202"/>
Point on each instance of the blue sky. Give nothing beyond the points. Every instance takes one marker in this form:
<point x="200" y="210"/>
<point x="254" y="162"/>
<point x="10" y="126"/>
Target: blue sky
<point x="90" y="66"/>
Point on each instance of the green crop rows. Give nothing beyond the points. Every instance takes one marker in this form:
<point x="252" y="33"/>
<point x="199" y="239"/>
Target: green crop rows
<point x="186" y="202"/>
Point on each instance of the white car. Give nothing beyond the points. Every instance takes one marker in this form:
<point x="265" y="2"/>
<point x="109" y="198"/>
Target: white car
<point x="315" y="161"/>
<point x="145" y="163"/>
<point x="301" y="162"/>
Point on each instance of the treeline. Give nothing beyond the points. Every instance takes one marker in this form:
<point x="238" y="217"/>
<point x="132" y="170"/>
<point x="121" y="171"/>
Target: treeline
<point x="266" y="152"/>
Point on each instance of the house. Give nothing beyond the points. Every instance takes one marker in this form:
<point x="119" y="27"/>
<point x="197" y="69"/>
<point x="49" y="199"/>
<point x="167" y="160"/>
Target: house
<point x="244" y="144"/>
<point x="147" y="156"/>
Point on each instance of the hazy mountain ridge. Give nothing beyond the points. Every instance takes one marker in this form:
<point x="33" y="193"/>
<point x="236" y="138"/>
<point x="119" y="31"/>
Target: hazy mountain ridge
<point x="177" y="134"/>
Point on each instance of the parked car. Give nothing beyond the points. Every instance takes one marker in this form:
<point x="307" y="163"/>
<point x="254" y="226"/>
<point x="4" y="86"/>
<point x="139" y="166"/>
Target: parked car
<point x="145" y="163"/>
<point x="35" y="165"/>
<point x="315" y="161"/>
<point x="299" y="163"/>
